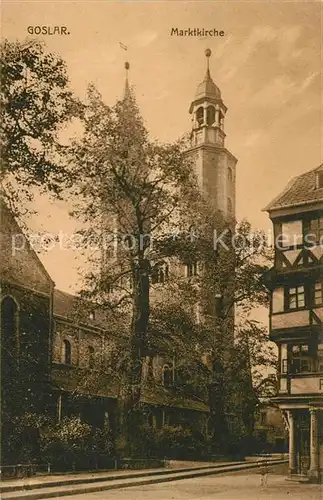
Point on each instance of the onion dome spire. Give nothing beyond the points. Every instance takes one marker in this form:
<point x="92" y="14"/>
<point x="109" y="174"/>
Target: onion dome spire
<point x="208" y="88"/>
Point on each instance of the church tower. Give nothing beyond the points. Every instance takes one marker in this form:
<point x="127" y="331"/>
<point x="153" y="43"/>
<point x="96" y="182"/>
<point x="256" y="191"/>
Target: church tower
<point x="215" y="165"/>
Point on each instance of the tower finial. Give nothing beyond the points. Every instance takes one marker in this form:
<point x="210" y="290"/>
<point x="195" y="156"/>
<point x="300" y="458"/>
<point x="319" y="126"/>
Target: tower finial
<point x="127" y="89"/>
<point x="208" y="53"/>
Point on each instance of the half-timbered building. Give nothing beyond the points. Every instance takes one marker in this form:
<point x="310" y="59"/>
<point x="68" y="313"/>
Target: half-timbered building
<point x="296" y="316"/>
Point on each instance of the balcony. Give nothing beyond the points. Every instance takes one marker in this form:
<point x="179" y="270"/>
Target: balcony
<point x="291" y="319"/>
<point x="296" y="323"/>
<point x="301" y="385"/>
<point x="306" y="385"/>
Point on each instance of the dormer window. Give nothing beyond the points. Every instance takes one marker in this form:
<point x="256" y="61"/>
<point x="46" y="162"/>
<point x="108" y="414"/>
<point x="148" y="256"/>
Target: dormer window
<point x="319" y="180"/>
<point x="315" y="233"/>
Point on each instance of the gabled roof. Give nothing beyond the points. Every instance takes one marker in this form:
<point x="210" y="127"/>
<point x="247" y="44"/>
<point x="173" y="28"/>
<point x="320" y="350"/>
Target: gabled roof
<point x="157" y="395"/>
<point x="301" y="190"/>
<point x="20" y="264"/>
<point x="73" y="308"/>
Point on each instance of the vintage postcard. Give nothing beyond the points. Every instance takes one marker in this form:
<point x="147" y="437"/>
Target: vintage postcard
<point x="161" y="249"/>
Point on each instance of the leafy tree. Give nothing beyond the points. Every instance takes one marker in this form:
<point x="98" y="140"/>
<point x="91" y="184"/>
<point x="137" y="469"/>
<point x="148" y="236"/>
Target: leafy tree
<point x="130" y="191"/>
<point x="193" y="321"/>
<point x="36" y="103"/>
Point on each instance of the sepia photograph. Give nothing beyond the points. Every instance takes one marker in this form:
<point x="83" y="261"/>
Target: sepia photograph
<point x="161" y="249"/>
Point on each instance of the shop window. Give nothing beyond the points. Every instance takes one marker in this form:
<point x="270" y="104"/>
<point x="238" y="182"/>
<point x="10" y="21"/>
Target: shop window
<point x="320" y="357"/>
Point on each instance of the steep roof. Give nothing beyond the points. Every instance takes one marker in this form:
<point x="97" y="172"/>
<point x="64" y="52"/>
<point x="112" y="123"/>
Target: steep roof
<point x="301" y="190"/>
<point x="208" y="88"/>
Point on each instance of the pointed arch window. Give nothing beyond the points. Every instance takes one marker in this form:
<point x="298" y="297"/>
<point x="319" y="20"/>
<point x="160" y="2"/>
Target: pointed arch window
<point x="167" y="376"/>
<point x="66" y="352"/>
<point x="9" y="328"/>
<point x="230" y="206"/>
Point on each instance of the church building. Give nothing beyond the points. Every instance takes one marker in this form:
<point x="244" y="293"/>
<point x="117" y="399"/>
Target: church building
<point x="48" y="343"/>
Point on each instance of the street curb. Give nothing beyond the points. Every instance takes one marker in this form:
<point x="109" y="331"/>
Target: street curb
<point x="114" y="477"/>
<point x="122" y="484"/>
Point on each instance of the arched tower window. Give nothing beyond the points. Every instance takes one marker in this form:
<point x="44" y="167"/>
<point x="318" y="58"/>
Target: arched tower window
<point x="191" y="269"/>
<point x="230" y="174"/>
<point x="159" y="273"/>
<point x="167" y="376"/>
<point x="210" y="115"/>
<point x="91" y="356"/>
<point x="9" y="328"/>
<point x="66" y="352"/>
<point x="221" y="120"/>
<point x="200" y="116"/>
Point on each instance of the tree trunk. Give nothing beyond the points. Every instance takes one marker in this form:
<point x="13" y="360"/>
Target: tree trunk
<point x="131" y="390"/>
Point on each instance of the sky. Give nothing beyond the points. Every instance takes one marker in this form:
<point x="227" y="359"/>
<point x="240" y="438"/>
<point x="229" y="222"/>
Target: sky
<point x="268" y="67"/>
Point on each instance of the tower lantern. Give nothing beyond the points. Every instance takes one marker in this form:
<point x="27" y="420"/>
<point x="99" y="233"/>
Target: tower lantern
<point x="215" y="166"/>
<point x="208" y="111"/>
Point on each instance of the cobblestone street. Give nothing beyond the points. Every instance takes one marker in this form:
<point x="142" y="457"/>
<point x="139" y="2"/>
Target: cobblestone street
<point x="239" y="486"/>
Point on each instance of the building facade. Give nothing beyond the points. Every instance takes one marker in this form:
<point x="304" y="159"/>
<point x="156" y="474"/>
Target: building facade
<point x="296" y="316"/>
